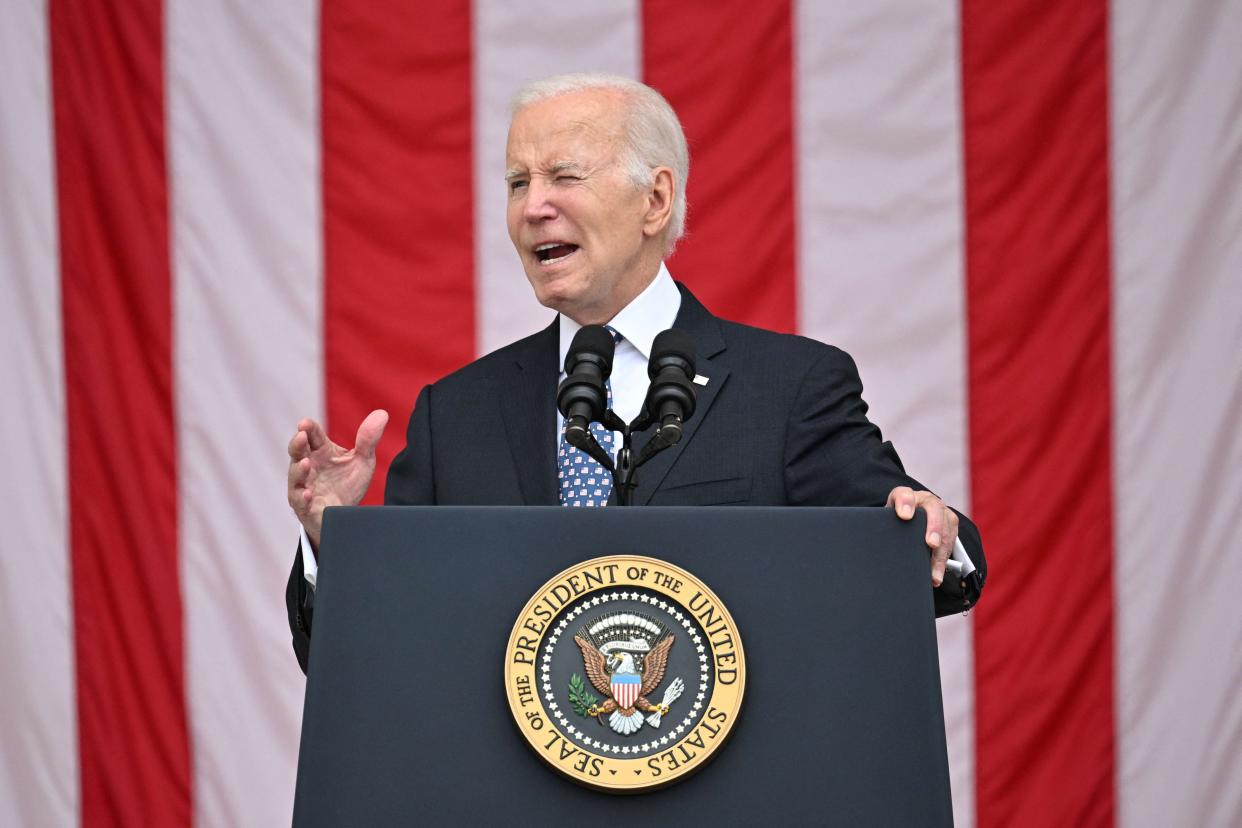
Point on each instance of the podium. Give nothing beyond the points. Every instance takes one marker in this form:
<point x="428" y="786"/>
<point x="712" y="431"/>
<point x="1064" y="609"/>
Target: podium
<point x="406" y="719"/>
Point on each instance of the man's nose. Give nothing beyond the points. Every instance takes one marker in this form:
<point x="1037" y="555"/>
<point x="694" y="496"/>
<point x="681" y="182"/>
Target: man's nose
<point x="539" y="205"/>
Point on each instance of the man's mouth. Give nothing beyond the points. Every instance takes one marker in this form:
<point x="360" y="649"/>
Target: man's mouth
<point x="553" y="252"/>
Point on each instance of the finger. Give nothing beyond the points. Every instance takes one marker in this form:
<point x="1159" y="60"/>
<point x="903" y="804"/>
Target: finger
<point x="950" y="527"/>
<point x="299" y="445"/>
<point x="298" y="503"/>
<point x="305" y="508"/>
<point x="369" y="433"/>
<point x="939" y="560"/>
<point x="936" y="521"/>
<point x="299" y="472"/>
<point x="950" y="541"/>
<point x="941" y="535"/>
<point x="903" y="501"/>
<point x="933" y="534"/>
<point x="299" y="485"/>
<point x="317" y="437"/>
<point x="935" y="539"/>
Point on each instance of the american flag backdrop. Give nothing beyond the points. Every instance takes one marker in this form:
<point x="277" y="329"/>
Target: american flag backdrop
<point x="1022" y="217"/>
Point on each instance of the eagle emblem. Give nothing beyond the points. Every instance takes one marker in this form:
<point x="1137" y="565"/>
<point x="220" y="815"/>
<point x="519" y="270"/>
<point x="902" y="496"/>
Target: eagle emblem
<point x="625" y="656"/>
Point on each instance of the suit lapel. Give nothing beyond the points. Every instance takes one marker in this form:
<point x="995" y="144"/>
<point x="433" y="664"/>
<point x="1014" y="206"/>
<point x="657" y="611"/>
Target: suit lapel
<point x="709" y="344"/>
<point x="526" y="394"/>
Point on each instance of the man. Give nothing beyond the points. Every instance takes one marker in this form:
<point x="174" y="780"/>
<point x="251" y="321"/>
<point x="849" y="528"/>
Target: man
<point x="597" y="167"/>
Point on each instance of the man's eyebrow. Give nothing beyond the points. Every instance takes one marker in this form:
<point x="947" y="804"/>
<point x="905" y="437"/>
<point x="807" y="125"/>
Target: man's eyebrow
<point x="556" y="168"/>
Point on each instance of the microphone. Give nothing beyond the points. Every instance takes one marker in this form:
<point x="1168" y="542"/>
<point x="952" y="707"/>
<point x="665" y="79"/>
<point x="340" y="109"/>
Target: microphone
<point x="582" y="398"/>
<point x="671" y="396"/>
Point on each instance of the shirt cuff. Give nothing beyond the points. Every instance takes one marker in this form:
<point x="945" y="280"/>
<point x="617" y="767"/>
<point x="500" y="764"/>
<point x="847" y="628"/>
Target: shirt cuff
<point x="959" y="562"/>
<point x="310" y="565"/>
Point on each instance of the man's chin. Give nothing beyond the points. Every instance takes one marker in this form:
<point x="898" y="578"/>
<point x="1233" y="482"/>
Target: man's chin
<point x="568" y="295"/>
<point x="575" y="309"/>
<point x="561" y="305"/>
<point x="559" y="293"/>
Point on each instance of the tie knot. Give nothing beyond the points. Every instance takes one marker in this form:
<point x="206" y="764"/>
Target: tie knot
<point x="616" y="336"/>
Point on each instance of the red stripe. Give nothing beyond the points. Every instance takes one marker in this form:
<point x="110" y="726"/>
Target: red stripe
<point x="1035" y="100"/>
<point x="727" y="68"/>
<point x="107" y="81"/>
<point x="398" y="208"/>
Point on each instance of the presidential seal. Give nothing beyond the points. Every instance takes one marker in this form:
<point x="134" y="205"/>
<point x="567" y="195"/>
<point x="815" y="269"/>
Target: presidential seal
<point x="625" y="673"/>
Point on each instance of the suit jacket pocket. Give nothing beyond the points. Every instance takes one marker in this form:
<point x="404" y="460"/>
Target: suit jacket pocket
<point x="732" y="490"/>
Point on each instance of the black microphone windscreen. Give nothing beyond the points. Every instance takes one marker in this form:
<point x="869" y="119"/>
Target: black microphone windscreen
<point x="591" y="339"/>
<point x="671" y="343"/>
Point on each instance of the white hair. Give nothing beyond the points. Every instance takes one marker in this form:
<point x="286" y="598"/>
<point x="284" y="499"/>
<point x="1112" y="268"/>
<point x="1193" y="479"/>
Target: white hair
<point x="653" y="134"/>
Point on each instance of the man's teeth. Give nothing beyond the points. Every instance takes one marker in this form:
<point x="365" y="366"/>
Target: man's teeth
<point x="543" y="251"/>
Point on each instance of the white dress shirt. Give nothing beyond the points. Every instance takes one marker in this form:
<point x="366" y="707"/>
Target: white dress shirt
<point x="652" y="311"/>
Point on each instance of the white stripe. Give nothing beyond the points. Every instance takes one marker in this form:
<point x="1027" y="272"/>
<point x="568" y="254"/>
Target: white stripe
<point x="244" y="158"/>
<point x="1177" y="305"/>
<point x="880" y="262"/>
<point x="515" y="43"/>
<point x="38" y="715"/>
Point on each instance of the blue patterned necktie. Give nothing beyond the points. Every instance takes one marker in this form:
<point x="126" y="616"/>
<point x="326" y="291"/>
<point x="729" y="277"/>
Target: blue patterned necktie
<point x="583" y="481"/>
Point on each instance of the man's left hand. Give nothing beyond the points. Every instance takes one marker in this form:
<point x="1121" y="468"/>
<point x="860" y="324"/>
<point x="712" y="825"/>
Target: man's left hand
<point x="941" y="524"/>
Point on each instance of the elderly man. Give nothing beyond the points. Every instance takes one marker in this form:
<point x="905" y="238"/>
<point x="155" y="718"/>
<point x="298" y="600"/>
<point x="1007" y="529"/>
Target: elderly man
<point x="597" y="169"/>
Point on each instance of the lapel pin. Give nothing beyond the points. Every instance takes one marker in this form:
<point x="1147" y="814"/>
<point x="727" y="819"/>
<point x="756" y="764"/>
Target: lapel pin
<point x="699" y="379"/>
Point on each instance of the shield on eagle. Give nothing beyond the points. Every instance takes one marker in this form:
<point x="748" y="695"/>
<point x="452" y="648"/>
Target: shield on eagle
<point x="626" y="688"/>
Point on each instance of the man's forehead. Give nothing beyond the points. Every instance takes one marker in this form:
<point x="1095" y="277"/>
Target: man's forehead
<point x="564" y="128"/>
<point x="575" y="146"/>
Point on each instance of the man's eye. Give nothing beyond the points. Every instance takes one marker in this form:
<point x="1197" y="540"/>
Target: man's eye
<point x="563" y="179"/>
<point x="516" y="185"/>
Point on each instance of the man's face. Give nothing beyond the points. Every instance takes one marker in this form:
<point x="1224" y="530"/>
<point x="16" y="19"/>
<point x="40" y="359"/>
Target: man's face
<point x="577" y="221"/>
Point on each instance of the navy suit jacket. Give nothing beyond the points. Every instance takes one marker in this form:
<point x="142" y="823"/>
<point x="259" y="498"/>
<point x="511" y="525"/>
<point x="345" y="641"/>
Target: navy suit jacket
<point x="781" y="422"/>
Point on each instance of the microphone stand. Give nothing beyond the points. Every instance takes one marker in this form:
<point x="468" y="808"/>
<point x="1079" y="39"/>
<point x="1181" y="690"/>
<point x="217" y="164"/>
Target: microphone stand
<point x="625" y="470"/>
<point x="670" y="398"/>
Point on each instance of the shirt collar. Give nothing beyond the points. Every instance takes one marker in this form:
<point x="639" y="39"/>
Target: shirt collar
<point x="652" y="311"/>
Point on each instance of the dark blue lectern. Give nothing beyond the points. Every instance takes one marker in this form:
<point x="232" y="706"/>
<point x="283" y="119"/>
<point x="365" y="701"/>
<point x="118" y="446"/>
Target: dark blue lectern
<point x="406" y="719"/>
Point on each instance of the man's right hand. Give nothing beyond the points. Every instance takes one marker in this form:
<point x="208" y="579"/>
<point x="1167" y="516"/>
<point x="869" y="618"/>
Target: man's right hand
<point x="323" y="474"/>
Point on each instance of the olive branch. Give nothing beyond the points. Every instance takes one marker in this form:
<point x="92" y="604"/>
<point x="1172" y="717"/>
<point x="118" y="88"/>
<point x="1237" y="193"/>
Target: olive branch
<point x="581" y="699"/>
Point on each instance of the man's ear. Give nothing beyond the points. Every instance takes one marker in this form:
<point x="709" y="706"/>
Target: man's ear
<point x="659" y="201"/>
